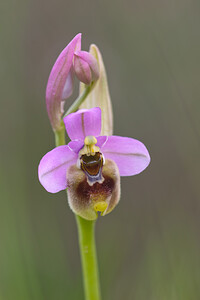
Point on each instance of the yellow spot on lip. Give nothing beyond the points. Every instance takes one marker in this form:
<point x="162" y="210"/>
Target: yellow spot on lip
<point x="100" y="206"/>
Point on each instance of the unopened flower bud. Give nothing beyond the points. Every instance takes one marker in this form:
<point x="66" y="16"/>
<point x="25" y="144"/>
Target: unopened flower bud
<point x="86" y="67"/>
<point x="87" y="200"/>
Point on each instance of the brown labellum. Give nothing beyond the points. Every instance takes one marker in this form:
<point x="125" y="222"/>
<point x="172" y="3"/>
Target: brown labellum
<point x="88" y="196"/>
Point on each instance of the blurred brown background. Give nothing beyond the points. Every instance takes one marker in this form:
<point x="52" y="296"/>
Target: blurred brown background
<point x="149" y="247"/>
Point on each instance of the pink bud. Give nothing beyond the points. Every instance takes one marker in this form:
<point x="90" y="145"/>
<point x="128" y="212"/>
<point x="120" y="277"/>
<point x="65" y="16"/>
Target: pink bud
<point x="86" y="67"/>
<point x="60" y="82"/>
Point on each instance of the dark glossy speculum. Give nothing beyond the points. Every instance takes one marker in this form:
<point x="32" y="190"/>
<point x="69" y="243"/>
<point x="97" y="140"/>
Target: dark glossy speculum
<point x="92" y="167"/>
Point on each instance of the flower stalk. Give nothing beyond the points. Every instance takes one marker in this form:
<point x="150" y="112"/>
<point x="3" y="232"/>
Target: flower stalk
<point x="86" y="233"/>
<point x="60" y="135"/>
<point x="75" y="106"/>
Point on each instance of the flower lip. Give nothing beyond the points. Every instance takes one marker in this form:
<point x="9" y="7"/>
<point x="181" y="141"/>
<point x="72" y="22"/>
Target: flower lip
<point x="87" y="200"/>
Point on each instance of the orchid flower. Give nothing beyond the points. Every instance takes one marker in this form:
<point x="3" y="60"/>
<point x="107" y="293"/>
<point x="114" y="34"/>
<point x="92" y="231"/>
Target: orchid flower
<point x="90" y="165"/>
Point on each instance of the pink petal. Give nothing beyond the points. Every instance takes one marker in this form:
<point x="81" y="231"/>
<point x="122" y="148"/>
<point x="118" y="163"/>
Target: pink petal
<point x="130" y="155"/>
<point x="53" y="167"/>
<point x="59" y="85"/>
<point x="82" y="123"/>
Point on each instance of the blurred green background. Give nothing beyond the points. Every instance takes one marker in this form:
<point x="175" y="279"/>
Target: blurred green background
<point x="149" y="246"/>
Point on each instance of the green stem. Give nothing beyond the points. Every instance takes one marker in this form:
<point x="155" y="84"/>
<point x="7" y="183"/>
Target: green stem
<point x="60" y="135"/>
<point x="74" y="107"/>
<point x="86" y="232"/>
